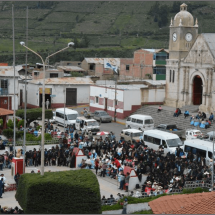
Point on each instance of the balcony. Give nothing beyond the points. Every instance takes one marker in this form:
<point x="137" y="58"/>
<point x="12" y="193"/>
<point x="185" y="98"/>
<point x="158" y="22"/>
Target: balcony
<point x="3" y="91"/>
<point x="160" y="62"/>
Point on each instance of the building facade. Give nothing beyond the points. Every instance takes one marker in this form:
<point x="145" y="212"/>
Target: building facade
<point x="190" y="68"/>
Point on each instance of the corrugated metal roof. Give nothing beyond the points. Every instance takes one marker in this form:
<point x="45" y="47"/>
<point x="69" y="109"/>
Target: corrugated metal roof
<point x="210" y="40"/>
<point x="71" y="68"/>
<point x="158" y="82"/>
<point x="8" y="71"/>
<point x="112" y="61"/>
<point x="64" y="80"/>
<point x="126" y="87"/>
<point x="156" y="50"/>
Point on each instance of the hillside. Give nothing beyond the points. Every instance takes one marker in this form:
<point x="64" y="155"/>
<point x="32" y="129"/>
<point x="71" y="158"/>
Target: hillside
<point x="110" y="28"/>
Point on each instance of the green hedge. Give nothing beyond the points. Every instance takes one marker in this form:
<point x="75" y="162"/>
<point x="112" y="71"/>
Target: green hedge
<point x="66" y="192"/>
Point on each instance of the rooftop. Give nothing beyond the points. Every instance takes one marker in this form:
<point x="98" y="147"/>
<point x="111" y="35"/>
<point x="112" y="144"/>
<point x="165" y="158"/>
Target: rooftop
<point x="71" y="68"/>
<point x="198" y="203"/>
<point x="4" y="112"/>
<point x="125" y="87"/>
<point x="64" y="80"/>
<point x="8" y="71"/>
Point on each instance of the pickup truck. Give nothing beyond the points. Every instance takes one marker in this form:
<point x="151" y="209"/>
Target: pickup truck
<point x="172" y="128"/>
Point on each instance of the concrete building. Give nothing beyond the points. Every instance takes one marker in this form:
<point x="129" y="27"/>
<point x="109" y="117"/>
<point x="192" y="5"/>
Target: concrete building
<point x="69" y="90"/>
<point x="7" y="87"/>
<point x="125" y="98"/>
<point x="97" y="67"/>
<point x="190" y="68"/>
<point x="147" y="63"/>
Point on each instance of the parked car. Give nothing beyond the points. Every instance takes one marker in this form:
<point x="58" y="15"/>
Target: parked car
<point x="87" y="125"/>
<point x="192" y="134"/>
<point x="131" y="134"/>
<point x="171" y="128"/>
<point x="102" y="116"/>
<point x="139" y="121"/>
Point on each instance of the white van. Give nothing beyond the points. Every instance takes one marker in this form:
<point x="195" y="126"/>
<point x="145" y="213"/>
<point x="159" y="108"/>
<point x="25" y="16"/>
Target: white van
<point x="141" y="122"/>
<point x="154" y="138"/>
<point x="87" y="124"/>
<point x="70" y="116"/>
<point x="201" y="147"/>
<point x="131" y="134"/>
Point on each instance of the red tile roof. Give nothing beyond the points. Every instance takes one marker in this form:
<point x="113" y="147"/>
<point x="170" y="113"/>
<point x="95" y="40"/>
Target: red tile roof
<point x="198" y="203"/>
<point x="4" y="112"/>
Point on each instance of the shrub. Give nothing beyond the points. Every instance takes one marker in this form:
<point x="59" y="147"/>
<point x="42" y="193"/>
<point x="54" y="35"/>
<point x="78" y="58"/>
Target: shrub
<point x="20" y="123"/>
<point x="10" y="124"/>
<point x="66" y="192"/>
<point x="8" y="132"/>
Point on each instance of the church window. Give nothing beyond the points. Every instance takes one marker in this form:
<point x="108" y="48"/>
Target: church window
<point x="173" y="76"/>
<point x="170" y="74"/>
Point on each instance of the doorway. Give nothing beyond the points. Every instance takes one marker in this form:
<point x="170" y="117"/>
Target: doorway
<point x="106" y="104"/>
<point x="47" y="96"/>
<point x="197" y="90"/>
<point x="71" y="96"/>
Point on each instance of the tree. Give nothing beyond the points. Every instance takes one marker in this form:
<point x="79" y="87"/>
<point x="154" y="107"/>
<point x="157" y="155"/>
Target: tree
<point x="163" y="15"/>
<point x="154" y="9"/>
<point x="176" y="6"/>
<point x="34" y="114"/>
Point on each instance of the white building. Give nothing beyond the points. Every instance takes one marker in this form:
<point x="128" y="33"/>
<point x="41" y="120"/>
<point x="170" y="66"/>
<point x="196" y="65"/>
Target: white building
<point x="7" y="87"/>
<point x="69" y="90"/>
<point x="126" y="98"/>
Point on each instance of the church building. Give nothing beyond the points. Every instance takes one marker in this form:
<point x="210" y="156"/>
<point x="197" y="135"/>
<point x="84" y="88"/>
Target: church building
<point x="191" y="63"/>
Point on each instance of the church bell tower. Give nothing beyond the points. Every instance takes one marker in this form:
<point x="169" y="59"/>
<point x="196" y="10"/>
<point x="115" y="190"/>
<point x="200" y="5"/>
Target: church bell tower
<point x="183" y="33"/>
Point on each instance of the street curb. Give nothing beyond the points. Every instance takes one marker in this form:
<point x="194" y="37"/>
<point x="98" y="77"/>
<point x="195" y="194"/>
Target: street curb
<point x="122" y="123"/>
<point x="79" y="106"/>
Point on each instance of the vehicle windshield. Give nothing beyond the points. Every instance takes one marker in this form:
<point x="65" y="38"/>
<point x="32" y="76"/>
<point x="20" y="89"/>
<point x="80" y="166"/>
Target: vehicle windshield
<point x="174" y="142"/>
<point x="72" y="116"/>
<point x="137" y="134"/>
<point x="197" y="133"/>
<point x="103" y="113"/>
<point x="93" y="123"/>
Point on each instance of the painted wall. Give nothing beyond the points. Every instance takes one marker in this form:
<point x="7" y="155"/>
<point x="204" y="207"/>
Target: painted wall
<point x="150" y="96"/>
<point x="58" y="90"/>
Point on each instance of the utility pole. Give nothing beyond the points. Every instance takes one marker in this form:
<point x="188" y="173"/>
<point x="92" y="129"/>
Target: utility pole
<point x="115" y="98"/>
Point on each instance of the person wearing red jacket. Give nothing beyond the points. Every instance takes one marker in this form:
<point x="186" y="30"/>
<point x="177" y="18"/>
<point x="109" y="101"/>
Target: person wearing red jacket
<point x="117" y="163"/>
<point x="96" y="165"/>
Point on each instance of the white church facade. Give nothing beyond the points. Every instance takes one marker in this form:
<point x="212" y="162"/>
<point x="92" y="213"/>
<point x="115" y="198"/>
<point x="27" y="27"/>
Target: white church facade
<point x="190" y="70"/>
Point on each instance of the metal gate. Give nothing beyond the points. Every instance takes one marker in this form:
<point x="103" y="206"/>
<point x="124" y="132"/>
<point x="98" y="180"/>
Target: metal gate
<point x="71" y="96"/>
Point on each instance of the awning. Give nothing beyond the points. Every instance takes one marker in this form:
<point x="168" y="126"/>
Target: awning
<point x="4" y="112"/>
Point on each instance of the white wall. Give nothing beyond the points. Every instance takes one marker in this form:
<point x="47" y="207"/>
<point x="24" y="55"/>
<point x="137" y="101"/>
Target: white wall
<point x="58" y="90"/>
<point x="109" y="93"/>
<point x="131" y="97"/>
<point x="11" y="91"/>
<point x="156" y="95"/>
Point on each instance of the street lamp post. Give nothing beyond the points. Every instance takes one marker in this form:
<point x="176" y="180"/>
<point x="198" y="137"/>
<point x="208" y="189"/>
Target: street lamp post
<point x="64" y="107"/>
<point x="43" y="97"/>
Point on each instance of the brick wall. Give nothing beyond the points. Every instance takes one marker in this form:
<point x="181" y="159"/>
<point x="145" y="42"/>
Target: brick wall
<point x="101" y="101"/>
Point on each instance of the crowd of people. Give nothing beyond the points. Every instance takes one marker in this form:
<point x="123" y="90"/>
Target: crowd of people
<point x="109" y="157"/>
<point x="10" y="210"/>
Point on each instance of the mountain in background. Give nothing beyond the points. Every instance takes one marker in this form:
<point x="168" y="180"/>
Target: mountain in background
<point x="99" y="29"/>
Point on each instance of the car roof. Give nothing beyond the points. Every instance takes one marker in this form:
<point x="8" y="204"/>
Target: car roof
<point x="155" y="132"/>
<point x="85" y="119"/>
<point x="61" y="110"/>
<point x="132" y="130"/>
<point x="100" y="111"/>
<point x="141" y="116"/>
<point x="200" y="143"/>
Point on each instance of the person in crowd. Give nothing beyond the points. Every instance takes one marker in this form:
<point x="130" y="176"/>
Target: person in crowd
<point x="16" y="178"/>
<point x="186" y="114"/>
<point x="159" y="108"/>
<point x="125" y="203"/>
<point x="176" y="113"/>
<point x="211" y="117"/>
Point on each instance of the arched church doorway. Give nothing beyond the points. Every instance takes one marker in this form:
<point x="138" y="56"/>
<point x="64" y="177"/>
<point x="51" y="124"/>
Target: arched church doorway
<point x="197" y="90"/>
